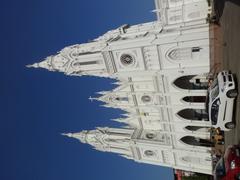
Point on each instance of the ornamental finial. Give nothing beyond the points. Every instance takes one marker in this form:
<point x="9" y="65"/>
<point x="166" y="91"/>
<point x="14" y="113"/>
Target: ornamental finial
<point x="35" y="65"/>
<point x="67" y="134"/>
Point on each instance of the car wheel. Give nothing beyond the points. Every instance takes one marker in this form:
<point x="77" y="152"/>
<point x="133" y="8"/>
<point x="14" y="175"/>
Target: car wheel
<point x="230" y="125"/>
<point x="232" y="93"/>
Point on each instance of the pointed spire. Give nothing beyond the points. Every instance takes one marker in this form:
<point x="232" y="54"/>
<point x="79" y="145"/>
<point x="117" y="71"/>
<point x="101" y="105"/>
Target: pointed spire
<point x="81" y="136"/>
<point x="46" y="64"/>
<point x="102" y="92"/>
<point x="92" y="99"/>
<point x="155" y="10"/>
<point x="35" y="65"/>
<point x="117" y="83"/>
<point x="121" y="120"/>
<point x="67" y="134"/>
<point x="105" y="105"/>
<point x="126" y="115"/>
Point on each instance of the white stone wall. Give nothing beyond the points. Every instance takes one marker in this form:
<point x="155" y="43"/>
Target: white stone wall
<point x="181" y="11"/>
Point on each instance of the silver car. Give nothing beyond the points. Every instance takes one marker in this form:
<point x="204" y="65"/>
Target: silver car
<point x="222" y="93"/>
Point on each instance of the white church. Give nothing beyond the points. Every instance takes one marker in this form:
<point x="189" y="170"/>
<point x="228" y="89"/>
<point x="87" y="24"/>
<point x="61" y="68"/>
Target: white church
<point x="161" y="69"/>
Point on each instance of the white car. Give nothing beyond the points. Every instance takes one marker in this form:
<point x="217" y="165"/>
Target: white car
<point x="222" y="93"/>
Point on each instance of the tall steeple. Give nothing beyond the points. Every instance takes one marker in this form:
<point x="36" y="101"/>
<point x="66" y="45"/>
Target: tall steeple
<point x="106" y="139"/>
<point x="77" y="60"/>
<point x="46" y="64"/>
<point x="81" y="136"/>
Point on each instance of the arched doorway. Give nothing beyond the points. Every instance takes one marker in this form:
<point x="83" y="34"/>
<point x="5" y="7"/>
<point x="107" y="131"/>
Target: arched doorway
<point x="195" y="141"/>
<point x="198" y="128"/>
<point x="195" y="99"/>
<point x="194" y="114"/>
<point x="190" y="82"/>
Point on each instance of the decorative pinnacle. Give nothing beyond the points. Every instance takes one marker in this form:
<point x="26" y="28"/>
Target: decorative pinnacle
<point x="121" y="120"/>
<point x="117" y="83"/>
<point x="92" y="99"/>
<point x="67" y="134"/>
<point x="35" y="65"/>
<point x="80" y="136"/>
<point x="155" y="10"/>
<point x="102" y="92"/>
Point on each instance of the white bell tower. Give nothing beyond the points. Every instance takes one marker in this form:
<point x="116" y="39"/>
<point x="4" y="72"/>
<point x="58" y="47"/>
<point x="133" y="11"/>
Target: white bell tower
<point x="84" y="59"/>
<point x="107" y="139"/>
<point x="147" y="146"/>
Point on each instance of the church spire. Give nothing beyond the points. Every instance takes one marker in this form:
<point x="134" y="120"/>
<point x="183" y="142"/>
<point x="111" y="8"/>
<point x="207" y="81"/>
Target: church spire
<point x="35" y="65"/>
<point x="77" y="60"/>
<point x="105" y="139"/>
<point x="46" y="64"/>
<point x="93" y="99"/>
<point x="81" y="136"/>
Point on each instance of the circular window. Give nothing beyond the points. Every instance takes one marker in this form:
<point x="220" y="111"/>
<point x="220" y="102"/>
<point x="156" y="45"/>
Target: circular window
<point x="146" y="98"/>
<point x="150" y="135"/>
<point x="149" y="153"/>
<point x="126" y="59"/>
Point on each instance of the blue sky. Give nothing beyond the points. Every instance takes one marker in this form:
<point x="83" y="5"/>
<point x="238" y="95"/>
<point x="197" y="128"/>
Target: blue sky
<point x="37" y="106"/>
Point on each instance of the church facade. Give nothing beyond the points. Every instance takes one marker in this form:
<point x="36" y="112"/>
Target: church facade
<point x="161" y="69"/>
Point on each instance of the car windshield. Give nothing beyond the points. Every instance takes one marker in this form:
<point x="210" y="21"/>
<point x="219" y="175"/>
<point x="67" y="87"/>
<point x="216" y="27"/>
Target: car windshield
<point x="215" y="89"/>
<point x="220" y="169"/>
<point x="214" y="111"/>
<point x="214" y="83"/>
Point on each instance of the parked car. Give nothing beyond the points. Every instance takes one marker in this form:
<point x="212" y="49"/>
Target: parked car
<point x="221" y="95"/>
<point x="228" y="167"/>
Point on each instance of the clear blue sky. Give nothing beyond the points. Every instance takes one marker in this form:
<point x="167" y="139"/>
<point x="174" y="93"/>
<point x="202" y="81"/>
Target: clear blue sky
<point x="36" y="106"/>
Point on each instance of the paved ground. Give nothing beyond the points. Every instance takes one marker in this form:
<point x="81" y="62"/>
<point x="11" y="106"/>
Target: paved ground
<point x="229" y="50"/>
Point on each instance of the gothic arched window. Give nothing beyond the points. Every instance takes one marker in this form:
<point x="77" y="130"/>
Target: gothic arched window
<point x="186" y="53"/>
<point x="180" y="54"/>
<point x="122" y="98"/>
<point x="196" y="128"/>
<point x="193" y="114"/>
<point x="190" y="82"/>
<point x="195" y="141"/>
<point x="85" y="63"/>
<point x="76" y="54"/>
<point x="195" y="99"/>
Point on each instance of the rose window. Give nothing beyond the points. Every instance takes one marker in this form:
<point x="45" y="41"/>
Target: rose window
<point x="126" y="59"/>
